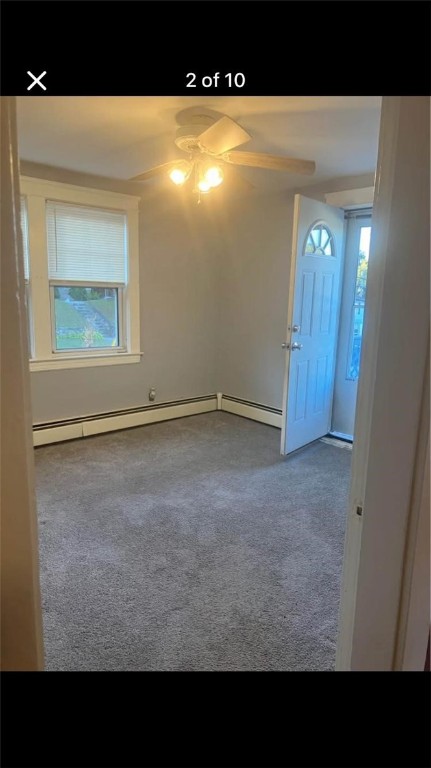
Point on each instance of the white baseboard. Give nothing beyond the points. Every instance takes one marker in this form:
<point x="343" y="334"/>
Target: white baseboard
<point x="148" y="415"/>
<point x="251" y="411"/>
<point x="56" y="433"/>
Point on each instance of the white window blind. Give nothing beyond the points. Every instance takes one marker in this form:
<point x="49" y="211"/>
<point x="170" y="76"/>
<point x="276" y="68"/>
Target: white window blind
<point x="24" y="229"/>
<point x="86" y="244"/>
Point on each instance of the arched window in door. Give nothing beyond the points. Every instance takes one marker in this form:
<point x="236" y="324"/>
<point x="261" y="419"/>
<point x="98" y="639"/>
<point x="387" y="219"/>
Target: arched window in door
<point x="319" y="241"/>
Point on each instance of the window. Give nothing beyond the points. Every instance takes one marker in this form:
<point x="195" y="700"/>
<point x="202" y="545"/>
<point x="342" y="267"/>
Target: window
<point x="82" y="256"/>
<point x="87" y="276"/>
<point x="319" y="241"/>
<point x="358" y="304"/>
<point x="85" y="317"/>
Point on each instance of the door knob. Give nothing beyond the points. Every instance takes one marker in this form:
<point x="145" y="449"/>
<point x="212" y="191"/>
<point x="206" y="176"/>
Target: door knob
<point x="296" y="328"/>
<point x="295" y="345"/>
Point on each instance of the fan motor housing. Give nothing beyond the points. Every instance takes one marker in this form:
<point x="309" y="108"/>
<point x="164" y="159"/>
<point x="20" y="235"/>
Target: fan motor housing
<point x="187" y="136"/>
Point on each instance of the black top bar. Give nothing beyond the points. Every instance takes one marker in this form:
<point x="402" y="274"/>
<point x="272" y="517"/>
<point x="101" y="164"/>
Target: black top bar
<point x="215" y="48"/>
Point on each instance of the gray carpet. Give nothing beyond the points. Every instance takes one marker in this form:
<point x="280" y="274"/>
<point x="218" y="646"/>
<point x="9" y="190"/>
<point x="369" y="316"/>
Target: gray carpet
<point x="191" y="545"/>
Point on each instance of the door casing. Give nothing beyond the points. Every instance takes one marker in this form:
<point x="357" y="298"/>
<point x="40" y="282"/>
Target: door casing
<point x="345" y="391"/>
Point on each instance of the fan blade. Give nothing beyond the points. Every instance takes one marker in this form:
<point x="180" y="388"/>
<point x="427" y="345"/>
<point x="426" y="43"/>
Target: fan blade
<point x="272" y="162"/>
<point x="223" y="135"/>
<point x="158" y="170"/>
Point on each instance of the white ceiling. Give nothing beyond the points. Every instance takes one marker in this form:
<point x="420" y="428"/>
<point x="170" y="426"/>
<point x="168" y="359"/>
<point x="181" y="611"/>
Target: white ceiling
<point x="121" y="136"/>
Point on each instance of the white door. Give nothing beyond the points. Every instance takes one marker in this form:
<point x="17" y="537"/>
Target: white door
<point x="313" y="309"/>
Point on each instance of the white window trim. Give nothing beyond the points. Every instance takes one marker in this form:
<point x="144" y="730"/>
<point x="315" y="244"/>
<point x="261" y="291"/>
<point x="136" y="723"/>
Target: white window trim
<point x="84" y="362"/>
<point x="37" y="192"/>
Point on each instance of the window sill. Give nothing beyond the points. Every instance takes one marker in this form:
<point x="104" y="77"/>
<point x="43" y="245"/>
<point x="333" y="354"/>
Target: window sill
<point x="60" y="363"/>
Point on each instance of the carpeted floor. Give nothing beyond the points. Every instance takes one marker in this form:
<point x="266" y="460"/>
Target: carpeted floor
<point x="191" y="545"/>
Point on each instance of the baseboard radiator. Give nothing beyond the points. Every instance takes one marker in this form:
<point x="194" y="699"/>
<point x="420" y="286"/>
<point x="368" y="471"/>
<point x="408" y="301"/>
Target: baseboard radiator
<point x="70" y="429"/>
<point x="85" y="426"/>
<point x="256" y="411"/>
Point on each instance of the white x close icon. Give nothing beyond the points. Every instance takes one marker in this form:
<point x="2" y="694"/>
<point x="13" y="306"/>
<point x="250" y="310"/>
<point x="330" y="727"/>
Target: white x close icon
<point x="36" y="81"/>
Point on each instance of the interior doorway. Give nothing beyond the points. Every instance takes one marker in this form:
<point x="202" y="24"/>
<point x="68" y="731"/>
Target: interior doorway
<point x="358" y="235"/>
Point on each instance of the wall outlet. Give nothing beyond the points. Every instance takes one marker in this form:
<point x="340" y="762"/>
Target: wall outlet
<point x="152" y="394"/>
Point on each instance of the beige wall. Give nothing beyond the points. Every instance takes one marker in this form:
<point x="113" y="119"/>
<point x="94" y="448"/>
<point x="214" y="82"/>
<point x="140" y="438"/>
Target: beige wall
<point x="178" y="313"/>
<point x="214" y="283"/>
<point x="255" y="257"/>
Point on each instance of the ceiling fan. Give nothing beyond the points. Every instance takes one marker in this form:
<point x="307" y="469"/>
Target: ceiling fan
<point x="209" y="144"/>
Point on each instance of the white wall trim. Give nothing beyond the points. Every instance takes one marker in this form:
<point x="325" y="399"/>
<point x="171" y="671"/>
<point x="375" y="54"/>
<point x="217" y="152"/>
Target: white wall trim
<point x="60" y="363"/>
<point x="364" y="403"/>
<point x="414" y="616"/>
<point x="251" y="411"/>
<point x="351" y="198"/>
<point x="75" y="194"/>
<point x="415" y="619"/>
<point x="97" y="425"/>
<point x="57" y="434"/>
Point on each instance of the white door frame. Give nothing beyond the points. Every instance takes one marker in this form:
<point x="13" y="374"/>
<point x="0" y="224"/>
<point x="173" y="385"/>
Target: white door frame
<point x="290" y="303"/>
<point x="345" y="389"/>
<point x="392" y="415"/>
<point x="21" y="614"/>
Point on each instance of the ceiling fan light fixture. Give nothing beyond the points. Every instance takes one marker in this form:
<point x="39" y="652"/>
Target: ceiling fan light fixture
<point x="210" y="145"/>
<point x="204" y="186"/>
<point x="180" y="172"/>
<point x="178" y="176"/>
<point x="214" y="176"/>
